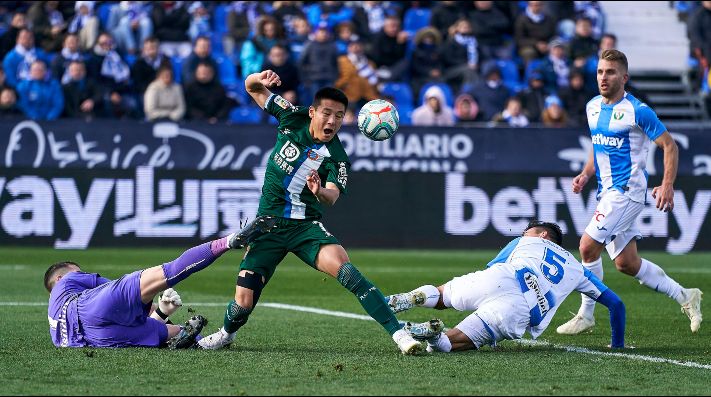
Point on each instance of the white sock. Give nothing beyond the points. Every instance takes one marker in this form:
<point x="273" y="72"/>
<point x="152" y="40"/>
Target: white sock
<point x="441" y="344"/>
<point x="432" y="294"/>
<point x="654" y="277"/>
<point x="587" y="307"/>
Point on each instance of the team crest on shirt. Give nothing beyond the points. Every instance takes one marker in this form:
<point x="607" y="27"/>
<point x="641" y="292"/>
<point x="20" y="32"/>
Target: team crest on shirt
<point x="282" y="103"/>
<point x="342" y="174"/>
<point x="618" y="115"/>
<point x="313" y="155"/>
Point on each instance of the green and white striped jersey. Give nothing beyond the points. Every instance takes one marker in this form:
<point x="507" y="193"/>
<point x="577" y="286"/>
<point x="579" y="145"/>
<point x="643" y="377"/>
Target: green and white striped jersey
<point x="285" y="193"/>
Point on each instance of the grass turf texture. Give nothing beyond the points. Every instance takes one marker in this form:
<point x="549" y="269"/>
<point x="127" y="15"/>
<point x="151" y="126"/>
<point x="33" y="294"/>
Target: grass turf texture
<point x="287" y="352"/>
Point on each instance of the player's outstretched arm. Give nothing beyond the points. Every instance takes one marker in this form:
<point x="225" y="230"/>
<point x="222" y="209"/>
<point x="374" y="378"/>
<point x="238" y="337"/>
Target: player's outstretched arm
<point x="257" y="85"/>
<point x="664" y="194"/>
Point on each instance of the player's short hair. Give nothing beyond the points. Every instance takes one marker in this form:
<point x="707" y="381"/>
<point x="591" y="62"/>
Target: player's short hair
<point x="552" y="228"/>
<point x="615" y="56"/>
<point x="331" y="93"/>
<point x="53" y="270"/>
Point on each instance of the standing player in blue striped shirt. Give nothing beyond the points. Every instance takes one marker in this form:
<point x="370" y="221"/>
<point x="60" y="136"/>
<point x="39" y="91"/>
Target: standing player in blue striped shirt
<point x="622" y="129"/>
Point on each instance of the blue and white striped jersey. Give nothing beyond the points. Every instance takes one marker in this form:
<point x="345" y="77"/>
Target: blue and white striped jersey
<point x="547" y="274"/>
<point x="621" y="134"/>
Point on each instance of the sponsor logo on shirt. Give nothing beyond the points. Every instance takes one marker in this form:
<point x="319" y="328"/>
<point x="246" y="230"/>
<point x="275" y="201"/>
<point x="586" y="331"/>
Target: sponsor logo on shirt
<point x="600" y="139"/>
<point x="289" y="152"/>
<point x="342" y="174"/>
<point x="282" y="103"/>
<point x="532" y="284"/>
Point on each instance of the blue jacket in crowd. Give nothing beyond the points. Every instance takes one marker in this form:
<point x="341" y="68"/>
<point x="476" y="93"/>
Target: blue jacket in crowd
<point x="40" y="100"/>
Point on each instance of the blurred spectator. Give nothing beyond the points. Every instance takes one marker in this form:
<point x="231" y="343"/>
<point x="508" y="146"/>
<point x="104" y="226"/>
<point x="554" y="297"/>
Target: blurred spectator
<point x="70" y="53"/>
<point x="592" y="11"/>
<point x="446" y="14"/>
<point x="48" y="24"/>
<point x="269" y="33"/>
<point x="434" y="111"/>
<point x="286" y="12"/>
<point x="85" y="24"/>
<point x="534" y="29"/>
<point x="427" y="60"/>
<point x="583" y="44"/>
<point x="699" y="31"/>
<point x="106" y="67"/>
<point x="202" y="52"/>
<point x="205" y="97"/>
<point x="9" y="38"/>
<point x="357" y="77"/>
<point x="490" y="27"/>
<point x="171" y="22"/>
<point x="130" y="25"/>
<point x="554" y="115"/>
<point x="461" y="55"/>
<point x="465" y="108"/>
<point x="278" y="61"/>
<point x="298" y="40"/>
<point x="555" y="68"/>
<point x="512" y="114"/>
<point x="164" y="98"/>
<point x="8" y="103"/>
<point x="319" y="61"/>
<point x="241" y="22"/>
<point x="370" y="16"/>
<point x="388" y="50"/>
<point x="345" y="33"/>
<point x="144" y="70"/>
<point x="490" y="93"/>
<point x="40" y="98"/>
<point x="199" y="21"/>
<point x="533" y="98"/>
<point x="81" y="95"/>
<point x="3" y="84"/>
<point x="563" y="12"/>
<point x="331" y="12"/>
<point x="575" y="97"/>
<point x="17" y="62"/>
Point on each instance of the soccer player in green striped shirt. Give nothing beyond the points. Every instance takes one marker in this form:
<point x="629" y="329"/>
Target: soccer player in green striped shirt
<point x="307" y="154"/>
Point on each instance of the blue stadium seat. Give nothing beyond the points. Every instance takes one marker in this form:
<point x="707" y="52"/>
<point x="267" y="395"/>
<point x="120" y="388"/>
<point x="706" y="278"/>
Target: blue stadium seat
<point x="448" y="94"/>
<point x="103" y="12"/>
<point x="226" y="70"/>
<point x="246" y="114"/>
<point x="400" y="91"/>
<point x="416" y="19"/>
<point x="509" y="73"/>
<point x="405" y="113"/>
<point x="219" y="19"/>
<point x="130" y="59"/>
<point x="177" y="69"/>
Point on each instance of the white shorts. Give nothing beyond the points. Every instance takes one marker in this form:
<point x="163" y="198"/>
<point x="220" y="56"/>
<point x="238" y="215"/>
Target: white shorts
<point x="496" y="299"/>
<point x="614" y="222"/>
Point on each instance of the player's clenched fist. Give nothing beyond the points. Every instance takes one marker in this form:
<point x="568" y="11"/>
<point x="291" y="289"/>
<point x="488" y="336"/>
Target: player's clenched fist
<point x="579" y="183"/>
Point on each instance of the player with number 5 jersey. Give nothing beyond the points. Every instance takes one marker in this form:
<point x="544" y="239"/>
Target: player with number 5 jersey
<point x="520" y="290"/>
<point x="308" y="168"/>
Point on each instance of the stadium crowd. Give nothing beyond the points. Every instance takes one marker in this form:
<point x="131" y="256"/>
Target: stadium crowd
<point x="440" y="62"/>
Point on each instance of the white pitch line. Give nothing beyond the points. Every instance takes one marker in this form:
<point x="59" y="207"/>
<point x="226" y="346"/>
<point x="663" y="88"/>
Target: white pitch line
<point x="571" y="349"/>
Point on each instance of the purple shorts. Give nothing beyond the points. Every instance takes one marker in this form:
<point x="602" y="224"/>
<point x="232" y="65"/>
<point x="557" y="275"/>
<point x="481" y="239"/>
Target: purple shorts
<point x="112" y="315"/>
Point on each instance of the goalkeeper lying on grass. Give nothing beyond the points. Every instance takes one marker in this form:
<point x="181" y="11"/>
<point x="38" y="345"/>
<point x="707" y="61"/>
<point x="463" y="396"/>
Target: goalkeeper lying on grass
<point x="86" y="309"/>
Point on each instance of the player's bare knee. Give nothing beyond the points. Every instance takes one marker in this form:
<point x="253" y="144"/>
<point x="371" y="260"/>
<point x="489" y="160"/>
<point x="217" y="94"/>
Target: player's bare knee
<point x="589" y="251"/>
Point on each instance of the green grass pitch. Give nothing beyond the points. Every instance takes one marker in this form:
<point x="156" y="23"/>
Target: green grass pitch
<point x="288" y="352"/>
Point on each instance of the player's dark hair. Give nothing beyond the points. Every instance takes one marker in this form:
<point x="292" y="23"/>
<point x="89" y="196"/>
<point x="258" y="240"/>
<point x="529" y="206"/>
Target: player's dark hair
<point x="53" y="270"/>
<point x="615" y="56"/>
<point x="552" y="228"/>
<point x="331" y="93"/>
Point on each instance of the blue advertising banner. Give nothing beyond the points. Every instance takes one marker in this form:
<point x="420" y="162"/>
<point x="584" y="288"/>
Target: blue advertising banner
<point x="125" y="145"/>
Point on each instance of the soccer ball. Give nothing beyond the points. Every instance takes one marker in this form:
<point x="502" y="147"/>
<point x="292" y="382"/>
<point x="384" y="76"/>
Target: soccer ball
<point x="378" y="120"/>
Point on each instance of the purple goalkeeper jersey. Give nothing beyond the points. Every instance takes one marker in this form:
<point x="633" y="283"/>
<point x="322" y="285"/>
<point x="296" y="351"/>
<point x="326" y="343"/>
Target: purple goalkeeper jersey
<point x="86" y="309"/>
<point x="62" y="311"/>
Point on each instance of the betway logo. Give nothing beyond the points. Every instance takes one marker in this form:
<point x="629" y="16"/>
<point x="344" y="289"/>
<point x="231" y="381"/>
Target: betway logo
<point x="600" y="139"/>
